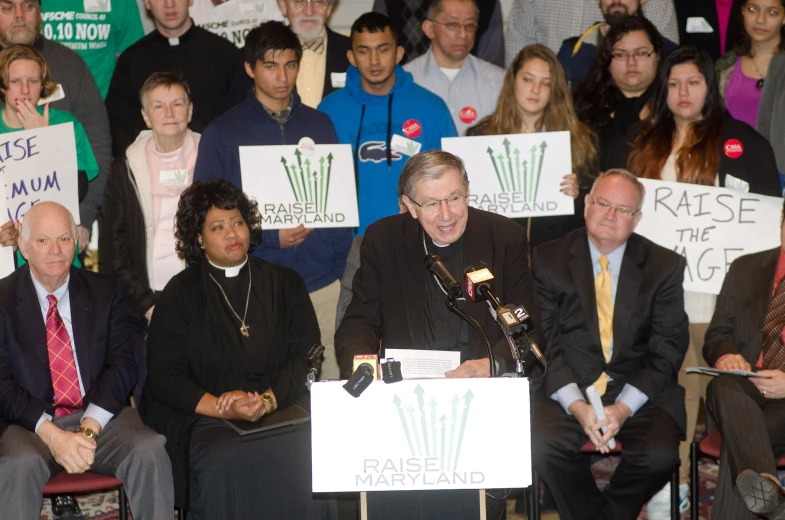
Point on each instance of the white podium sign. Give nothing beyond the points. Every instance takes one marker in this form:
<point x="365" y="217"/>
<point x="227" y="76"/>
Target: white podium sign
<point x="421" y="435"/>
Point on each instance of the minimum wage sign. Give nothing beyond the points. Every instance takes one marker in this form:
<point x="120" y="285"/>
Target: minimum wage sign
<point x="710" y="227"/>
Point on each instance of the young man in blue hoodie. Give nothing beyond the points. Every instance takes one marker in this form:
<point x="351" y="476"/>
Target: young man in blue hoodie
<point x="384" y="115"/>
<point x="272" y="114"/>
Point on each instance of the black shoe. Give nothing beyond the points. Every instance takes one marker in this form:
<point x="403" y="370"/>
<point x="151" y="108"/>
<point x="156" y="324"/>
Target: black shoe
<point x="761" y="494"/>
<point x="65" y="507"/>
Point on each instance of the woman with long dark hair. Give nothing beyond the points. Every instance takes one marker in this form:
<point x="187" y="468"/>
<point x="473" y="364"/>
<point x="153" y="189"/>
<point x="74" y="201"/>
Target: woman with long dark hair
<point x="614" y="95"/>
<point x="535" y="98"/>
<point x="742" y="71"/>
<point x="687" y="137"/>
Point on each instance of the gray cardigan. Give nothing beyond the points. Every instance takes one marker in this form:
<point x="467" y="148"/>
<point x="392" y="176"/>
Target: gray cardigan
<point x="771" y="114"/>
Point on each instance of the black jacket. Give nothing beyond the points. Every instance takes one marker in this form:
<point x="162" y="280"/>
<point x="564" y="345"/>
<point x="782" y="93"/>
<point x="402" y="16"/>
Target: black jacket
<point x="756" y="164"/>
<point x="707" y="9"/>
<point x="388" y="297"/>
<point x="190" y="353"/>
<point x="107" y="365"/>
<point x="337" y="61"/>
<point x="213" y="67"/>
<point x="650" y="328"/>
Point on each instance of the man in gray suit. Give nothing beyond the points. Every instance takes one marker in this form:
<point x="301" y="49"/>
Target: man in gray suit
<point x="746" y="331"/>
<point x="66" y="371"/>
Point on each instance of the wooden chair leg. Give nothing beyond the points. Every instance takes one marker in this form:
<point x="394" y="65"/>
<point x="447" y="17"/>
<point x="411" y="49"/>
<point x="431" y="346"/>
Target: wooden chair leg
<point x="123" y="499"/>
<point x="694" y="482"/>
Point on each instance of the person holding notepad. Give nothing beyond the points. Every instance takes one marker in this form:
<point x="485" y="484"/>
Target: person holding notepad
<point x="229" y="340"/>
<point x="746" y="332"/>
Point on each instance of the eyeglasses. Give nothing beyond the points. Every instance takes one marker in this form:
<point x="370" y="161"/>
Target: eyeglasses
<point x="619" y="210"/>
<point x="454" y="27"/>
<point x="9" y="8"/>
<point x="317" y="4"/>
<point x="432" y="206"/>
<point x="637" y="55"/>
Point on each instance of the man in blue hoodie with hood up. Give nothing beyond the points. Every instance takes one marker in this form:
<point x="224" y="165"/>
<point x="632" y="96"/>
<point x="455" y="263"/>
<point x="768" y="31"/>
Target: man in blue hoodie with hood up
<point x="384" y="115"/>
<point x="272" y="114"/>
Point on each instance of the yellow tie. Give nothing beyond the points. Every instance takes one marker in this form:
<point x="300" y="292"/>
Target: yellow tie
<point x="602" y="290"/>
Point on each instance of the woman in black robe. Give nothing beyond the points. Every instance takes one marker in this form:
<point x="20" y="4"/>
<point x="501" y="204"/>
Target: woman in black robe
<point x="229" y="340"/>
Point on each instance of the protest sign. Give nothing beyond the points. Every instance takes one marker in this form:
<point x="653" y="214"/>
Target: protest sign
<point x="307" y="184"/>
<point x="516" y="175"/>
<point x="709" y="226"/>
<point x="39" y="165"/>
<point x="7" y="265"/>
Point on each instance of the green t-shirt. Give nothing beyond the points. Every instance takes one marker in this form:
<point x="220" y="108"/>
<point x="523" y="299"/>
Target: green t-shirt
<point x="85" y="159"/>
<point x="98" y="30"/>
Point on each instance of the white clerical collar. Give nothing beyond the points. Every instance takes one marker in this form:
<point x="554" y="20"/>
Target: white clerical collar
<point x="437" y="244"/>
<point x="231" y="272"/>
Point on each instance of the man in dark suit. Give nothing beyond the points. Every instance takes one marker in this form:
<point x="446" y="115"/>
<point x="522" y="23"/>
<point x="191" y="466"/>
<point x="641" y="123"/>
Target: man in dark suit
<point x="396" y="301"/>
<point x="745" y="331"/>
<point x="66" y="371"/>
<point x="612" y="307"/>
<point x="324" y="62"/>
<point x="699" y="24"/>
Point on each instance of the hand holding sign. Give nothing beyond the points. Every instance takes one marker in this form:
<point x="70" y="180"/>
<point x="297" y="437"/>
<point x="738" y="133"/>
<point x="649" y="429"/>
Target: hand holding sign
<point x="293" y="237"/>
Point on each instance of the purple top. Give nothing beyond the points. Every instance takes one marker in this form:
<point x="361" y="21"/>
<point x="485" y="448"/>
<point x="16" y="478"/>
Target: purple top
<point x="723" y="15"/>
<point x="742" y="96"/>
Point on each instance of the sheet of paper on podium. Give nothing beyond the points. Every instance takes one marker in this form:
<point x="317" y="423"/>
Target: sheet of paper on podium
<point x="424" y="364"/>
<point x="421" y="435"/>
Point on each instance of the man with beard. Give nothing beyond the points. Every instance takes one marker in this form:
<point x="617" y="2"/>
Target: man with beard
<point x="324" y="62"/>
<point x="577" y="53"/>
<point x="77" y="93"/>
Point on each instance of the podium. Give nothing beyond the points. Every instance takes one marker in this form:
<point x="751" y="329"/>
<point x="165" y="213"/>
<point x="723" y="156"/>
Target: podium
<point x="429" y="435"/>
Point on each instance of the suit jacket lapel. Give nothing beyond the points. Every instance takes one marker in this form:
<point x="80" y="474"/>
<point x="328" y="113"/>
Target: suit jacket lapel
<point x="411" y="265"/>
<point x="28" y="311"/>
<point x="583" y="278"/>
<point x="81" y="323"/>
<point x="627" y="292"/>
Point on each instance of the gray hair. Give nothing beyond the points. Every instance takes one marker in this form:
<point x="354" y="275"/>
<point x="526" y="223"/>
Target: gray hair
<point x="626" y="175"/>
<point x="27" y="219"/>
<point x="427" y="166"/>
<point x="437" y="6"/>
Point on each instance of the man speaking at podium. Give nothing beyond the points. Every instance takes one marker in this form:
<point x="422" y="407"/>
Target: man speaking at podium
<point x="397" y="303"/>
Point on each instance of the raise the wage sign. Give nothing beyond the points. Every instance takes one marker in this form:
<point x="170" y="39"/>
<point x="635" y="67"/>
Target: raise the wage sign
<point x="517" y="175"/>
<point x="39" y="165"/>
<point x="709" y="226"/>
<point x="304" y="184"/>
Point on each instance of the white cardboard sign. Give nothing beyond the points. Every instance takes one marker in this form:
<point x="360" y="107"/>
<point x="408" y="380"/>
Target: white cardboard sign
<point x="309" y="184"/>
<point x="517" y="175"/>
<point x="39" y="165"/>
<point x="709" y="226"/>
<point x="421" y="434"/>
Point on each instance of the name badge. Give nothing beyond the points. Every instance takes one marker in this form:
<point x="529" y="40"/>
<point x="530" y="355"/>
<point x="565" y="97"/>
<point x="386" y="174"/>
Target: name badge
<point x="338" y="79"/>
<point x="98" y="6"/>
<point x="698" y="24"/>
<point x="173" y="177"/>
<point x="736" y="184"/>
<point x="404" y="145"/>
<point x="57" y="95"/>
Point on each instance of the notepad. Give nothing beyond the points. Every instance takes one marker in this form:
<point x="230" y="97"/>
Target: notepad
<point x="288" y="415"/>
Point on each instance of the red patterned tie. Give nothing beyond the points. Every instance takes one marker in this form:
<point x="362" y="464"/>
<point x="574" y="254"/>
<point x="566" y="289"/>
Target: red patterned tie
<point x="65" y="380"/>
<point x="773" y="349"/>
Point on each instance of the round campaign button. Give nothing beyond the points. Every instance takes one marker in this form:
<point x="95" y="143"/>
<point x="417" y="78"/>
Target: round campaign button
<point x="306" y="145"/>
<point x="468" y="115"/>
<point x="412" y="128"/>
<point x="733" y="148"/>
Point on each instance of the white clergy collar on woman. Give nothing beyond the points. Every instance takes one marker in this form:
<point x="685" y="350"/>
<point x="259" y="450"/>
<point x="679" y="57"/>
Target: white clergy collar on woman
<point x="231" y="272"/>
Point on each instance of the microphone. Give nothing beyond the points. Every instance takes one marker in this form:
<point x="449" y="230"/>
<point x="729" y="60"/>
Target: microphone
<point x="479" y="282"/>
<point x="448" y="282"/>
<point x="526" y="329"/>
<point x="360" y="380"/>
